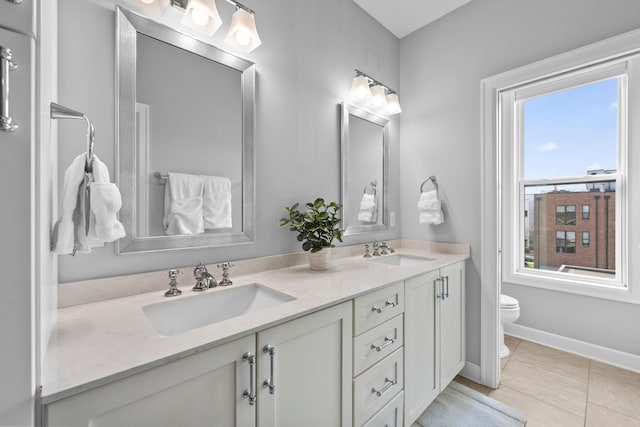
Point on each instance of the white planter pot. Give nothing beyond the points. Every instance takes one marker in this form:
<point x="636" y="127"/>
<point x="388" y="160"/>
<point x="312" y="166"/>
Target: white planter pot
<point x="319" y="260"/>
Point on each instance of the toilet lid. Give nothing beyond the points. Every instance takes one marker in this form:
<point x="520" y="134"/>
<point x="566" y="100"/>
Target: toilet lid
<point x="506" y="301"/>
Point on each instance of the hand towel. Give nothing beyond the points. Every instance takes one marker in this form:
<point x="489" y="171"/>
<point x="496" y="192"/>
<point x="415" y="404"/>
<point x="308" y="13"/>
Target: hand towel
<point x="105" y="201"/>
<point x="183" y="204"/>
<point x="63" y="240"/>
<point x="216" y="202"/>
<point x="430" y="208"/>
<point x="368" y="211"/>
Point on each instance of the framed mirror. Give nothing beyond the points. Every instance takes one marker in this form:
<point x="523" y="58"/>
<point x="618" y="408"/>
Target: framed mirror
<point x="365" y="170"/>
<point x="185" y="152"/>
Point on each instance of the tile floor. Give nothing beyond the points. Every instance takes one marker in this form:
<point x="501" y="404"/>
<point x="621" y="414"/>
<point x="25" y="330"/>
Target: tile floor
<point x="555" y="388"/>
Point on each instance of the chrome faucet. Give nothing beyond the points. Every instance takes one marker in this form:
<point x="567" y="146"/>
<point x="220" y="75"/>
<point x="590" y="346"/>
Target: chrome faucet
<point x="225" y="273"/>
<point x="204" y="279"/>
<point x="376" y="248"/>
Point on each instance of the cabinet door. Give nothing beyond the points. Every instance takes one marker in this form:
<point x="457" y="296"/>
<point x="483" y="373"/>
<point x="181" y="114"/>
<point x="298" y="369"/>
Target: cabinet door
<point x="452" y="324"/>
<point x="19" y="17"/>
<point x="420" y="339"/>
<point x="310" y="370"/>
<point x="205" y="389"/>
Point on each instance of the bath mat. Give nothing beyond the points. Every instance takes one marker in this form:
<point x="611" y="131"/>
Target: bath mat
<point x="460" y="406"/>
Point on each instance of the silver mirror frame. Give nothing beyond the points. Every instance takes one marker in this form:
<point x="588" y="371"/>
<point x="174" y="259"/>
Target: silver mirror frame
<point x="128" y="25"/>
<point x="351" y="229"/>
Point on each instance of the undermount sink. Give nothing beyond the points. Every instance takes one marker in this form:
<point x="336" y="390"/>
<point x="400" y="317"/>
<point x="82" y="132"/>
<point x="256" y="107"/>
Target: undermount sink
<point x="181" y="315"/>
<point x="401" y="260"/>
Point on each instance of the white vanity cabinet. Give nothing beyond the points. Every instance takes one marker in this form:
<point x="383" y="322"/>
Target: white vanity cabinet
<point x="205" y="389"/>
<point x="434" y="335"/>
<point x="309" y="371"/>
<point x="310" y="377"/>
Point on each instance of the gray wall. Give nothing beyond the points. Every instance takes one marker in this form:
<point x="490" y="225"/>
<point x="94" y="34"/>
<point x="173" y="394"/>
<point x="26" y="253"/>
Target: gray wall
<point x="304" y="70"/>
<point x="441" y="68"/>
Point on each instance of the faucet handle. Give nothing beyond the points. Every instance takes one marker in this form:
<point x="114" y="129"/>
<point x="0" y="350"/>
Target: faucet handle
<point x="173" y="284"/>
<point x="225" y="274"/>
<point x="367" y="254"/>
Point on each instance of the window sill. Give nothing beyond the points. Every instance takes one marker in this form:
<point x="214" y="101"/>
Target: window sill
<point x="615" y="292"/>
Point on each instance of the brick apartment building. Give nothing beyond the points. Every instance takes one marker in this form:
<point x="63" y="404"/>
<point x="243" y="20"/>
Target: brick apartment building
<point x="575" y="228"/>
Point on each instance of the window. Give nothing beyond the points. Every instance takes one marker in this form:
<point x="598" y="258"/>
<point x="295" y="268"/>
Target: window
<point x="566" y="242"/>
<point x="567" y="153"/>
<point x="565" y="215"/>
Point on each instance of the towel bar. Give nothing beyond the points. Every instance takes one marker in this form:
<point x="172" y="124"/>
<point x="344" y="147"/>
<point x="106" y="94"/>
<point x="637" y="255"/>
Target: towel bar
<point x="61" y="112"/>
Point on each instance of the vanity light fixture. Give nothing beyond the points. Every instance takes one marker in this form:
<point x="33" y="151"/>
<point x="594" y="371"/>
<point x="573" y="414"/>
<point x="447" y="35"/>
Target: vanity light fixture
<point x="242" y="31"/>
<point x="369" y="92"/>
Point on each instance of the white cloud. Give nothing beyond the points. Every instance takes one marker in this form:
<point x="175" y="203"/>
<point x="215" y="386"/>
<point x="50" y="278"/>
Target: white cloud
<point x="613" y="106"/>
<point x="594" y="166"/>
<point x="549" y="146"/>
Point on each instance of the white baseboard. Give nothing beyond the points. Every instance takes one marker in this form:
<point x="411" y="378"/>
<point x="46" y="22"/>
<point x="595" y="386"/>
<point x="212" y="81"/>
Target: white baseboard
<point x="471" y="371"/>
<point x="606" y="355"/>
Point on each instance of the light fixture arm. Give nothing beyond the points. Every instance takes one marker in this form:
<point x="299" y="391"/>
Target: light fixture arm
<point x="241" y="6"/>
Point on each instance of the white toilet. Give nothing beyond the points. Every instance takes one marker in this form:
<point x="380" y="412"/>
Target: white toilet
<point x="509" y="313"/>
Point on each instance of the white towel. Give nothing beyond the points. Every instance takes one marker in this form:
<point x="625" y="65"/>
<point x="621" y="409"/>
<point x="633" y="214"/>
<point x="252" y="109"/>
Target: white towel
<point x="430" y="208"/>
<point x="368" y="211"/>
<point x="63" y="239"/>
<point x="183" y="204"/>
<point x="105" y="202"/>
<point x="216" y="202"/>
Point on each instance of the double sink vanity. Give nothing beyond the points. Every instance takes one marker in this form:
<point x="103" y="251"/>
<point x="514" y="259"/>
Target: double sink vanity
<point x="369" y="342"/>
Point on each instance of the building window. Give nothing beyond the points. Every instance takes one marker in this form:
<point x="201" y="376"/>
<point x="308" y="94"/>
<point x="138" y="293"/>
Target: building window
<point x="566" y="215"/>
<point x="566" y="242"/>
<point x="585" y="238"/>
<point x="585" y="211"/>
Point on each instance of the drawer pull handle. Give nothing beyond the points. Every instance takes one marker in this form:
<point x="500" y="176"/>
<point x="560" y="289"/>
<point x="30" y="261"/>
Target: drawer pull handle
<point x="387" y="304"/>
<point x="387" y="342"/>
<point x="250" y="393"/>
<point x="270" y="383"/>
<point x="6" y="65"/>
<point x="388" y="384"/>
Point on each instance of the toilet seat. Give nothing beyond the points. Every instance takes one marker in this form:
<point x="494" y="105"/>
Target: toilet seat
<point x="507" y="302"/>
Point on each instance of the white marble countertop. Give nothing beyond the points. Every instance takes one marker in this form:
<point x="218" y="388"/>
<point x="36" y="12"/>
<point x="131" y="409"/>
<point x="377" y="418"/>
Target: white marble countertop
<point x="94" y="344"/>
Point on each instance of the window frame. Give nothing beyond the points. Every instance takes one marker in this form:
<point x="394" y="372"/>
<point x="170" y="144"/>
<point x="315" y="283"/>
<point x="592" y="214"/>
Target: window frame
<point x="586" y="242"/>
<point x="587" y="212"/>
<point x="511" y="115"/>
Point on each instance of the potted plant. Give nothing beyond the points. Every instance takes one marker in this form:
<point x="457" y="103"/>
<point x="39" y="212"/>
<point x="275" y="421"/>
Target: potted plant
<point x="316" y="228"/>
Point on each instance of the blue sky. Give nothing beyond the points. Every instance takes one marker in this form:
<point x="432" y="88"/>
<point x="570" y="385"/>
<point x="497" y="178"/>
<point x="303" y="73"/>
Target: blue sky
<point x="569" y="132"/>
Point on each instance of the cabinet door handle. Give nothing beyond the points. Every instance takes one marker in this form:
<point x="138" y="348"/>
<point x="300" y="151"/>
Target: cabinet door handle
<point x="446" y="292"/>
<point x="270" y="383"/>
<point x="387" y="342"/>
<point x="6" y="65"/>
<point x="387" y="304"/>
<point x="15" y="1"/>
<point x="440" y="288"/>
<point x="250" y="392"/>
<point x="388" y="384"/>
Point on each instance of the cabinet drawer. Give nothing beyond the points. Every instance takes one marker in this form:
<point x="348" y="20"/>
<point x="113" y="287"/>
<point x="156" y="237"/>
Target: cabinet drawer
<point x="377" y="386"/>
<point x="389" y="416"/>
<point x="376" y="344"/>
<point x="376" y="307"/>
<point x="18" y="17"/>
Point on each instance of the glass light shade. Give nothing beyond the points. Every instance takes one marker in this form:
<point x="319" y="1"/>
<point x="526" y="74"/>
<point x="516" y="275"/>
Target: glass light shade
<point x="378" y="99"/>
<point x="156" y="7"/>
<point x="360" y="89"/>
<point x="242" y="31"/>
<point x="203" y="16"/>
<point x="393" y="104"/>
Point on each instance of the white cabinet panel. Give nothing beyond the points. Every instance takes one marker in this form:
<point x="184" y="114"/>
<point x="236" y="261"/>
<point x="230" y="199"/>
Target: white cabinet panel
<point x="452" y="324"/>
<point x="311" y="371"/>
<point x="19" y="17"/>
<point x="376" y="307"/>
<point x="421" y="385"/>
<point x="205" y="389"/>
<point x="390" y="415"/>
<point x="376" y="344"/>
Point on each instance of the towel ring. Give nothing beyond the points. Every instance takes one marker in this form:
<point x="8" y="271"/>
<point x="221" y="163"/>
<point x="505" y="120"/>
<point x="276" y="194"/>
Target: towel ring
<point x="432" y="178"/>
<point x="374" y="184"/>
